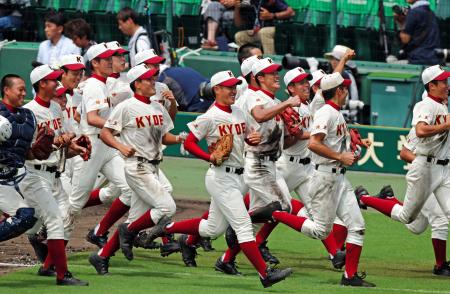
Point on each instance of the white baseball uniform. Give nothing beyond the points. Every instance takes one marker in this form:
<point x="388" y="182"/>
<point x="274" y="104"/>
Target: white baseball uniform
<point x="331" y="193"/>
<point x="260" y="174"/>
<point x="317" y="102"/>
<point x="142" y="125"/>
<point x="429" y="172"/>
<point x="431" y="213"/>
<point x="225" y="184"/>
<point x="240" y="89"/>
<point x="40" y="183"/>
<point x="103" y="159"/>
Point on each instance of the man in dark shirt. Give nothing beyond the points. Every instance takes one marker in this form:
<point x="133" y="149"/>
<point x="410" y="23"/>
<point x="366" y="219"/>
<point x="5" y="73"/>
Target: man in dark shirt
<point x="258" y="20"/>
<point x="420" y="33"/>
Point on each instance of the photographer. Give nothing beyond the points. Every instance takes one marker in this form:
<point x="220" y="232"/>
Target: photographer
<point x="419" y="32"/>
<point x="258" y="19"/>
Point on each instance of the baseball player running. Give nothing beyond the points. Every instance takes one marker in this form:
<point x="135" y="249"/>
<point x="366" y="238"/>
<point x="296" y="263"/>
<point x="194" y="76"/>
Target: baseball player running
<point x="429" y="172"/>
<point x="431" y="213"/>
<point x="39" y="183"/>
<point x="17" y="126"/>
<point x="143" y="126"/>
<point x="294" y="164"/>
<point x="331" y="193"/>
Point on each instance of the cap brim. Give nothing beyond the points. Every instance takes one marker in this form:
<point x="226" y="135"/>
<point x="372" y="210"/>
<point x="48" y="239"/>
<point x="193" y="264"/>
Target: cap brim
<point x="231" y="82"/>
<point x="108" y="53"/>
<point x="272" y="68"/>
<point x="155" y="60"/>
<point x="443" y="76"/>
<point x="346" y="82"/>
<point x="317" y="83"/>
<point x="150" y="73"/>
<point x="122" y="51"/>
<point x="60" y="91"/>
<point x="301" y="77"/>
<point x="75" y="66"/>
<point x="54" y="75"/>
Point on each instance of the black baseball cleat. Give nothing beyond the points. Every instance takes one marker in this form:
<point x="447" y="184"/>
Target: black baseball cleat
<point x="169" y="248"/>
<point x="274" y="276"/>
<point x="126" y="239"/>
<point x="338" y="260"/>
<point x="69" y="280"/>
<point x="228" y="268"/>
<point x="99" y="241"/>
<point x="356" y="281"/>
<point x="158" y="230"/>
<point x="100" y="264"/>
<point x="386" y="193"/>
<point x="206" y="244"/>
<point x="188" y="252"/>
<point x="141" y="241"/>
<point x="267" y="256"/>
<point x="443" y="270"/>
<point x="50" y="272"/>
<point x="361" y="191"/>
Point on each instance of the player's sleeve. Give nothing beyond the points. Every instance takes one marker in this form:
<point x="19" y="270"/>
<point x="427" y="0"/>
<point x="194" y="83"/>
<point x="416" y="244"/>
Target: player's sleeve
<point x="411" y="140"/>
<point x="422" y="113"/>
<point x="94" y="99"/>
<point x="321" y="123"/>
<point x="253" y="101"/>
<point x="117" y="119"/>
<point x="200" y="127"/>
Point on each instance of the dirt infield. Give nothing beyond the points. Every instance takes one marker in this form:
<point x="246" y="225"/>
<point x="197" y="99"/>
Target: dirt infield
<point x="17" y="253"/>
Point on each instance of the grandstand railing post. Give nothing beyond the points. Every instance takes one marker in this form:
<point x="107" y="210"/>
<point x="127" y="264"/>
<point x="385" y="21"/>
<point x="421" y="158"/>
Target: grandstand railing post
<point x="333" y="24"/>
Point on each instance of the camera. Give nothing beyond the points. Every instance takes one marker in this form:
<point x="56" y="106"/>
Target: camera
<point x="400" y="10"/>
<point x="289" y="62"/>
<point x="205" y="91"/>
<point x="443" y="54"/>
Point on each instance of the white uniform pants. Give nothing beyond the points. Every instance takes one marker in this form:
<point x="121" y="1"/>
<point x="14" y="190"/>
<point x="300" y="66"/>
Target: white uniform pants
<point x="37" y="188"/>
<point x="227" y="206"/>
<point x="10" y="200"/>
<point x="332" y="195"/>
<point x="423" y="179"/>
<point x="148" y="192"/>
<point x="265" y="184"/>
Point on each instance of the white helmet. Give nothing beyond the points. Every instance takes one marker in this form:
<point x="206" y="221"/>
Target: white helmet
<point x="5" y="129"/>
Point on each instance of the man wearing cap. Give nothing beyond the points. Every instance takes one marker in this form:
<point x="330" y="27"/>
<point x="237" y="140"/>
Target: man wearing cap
<point x="143" y="126"/>
<point x="260" y="170"/>
<point x="429" y="172"/>
<point x="249" y="79"/>
<point x="95" y="109"/>
<point x="117" y="83"/>
<point x="244" y="52"/>
<point x="294" y="164"/>
<point x="317" y="100"/>
<point x="331" y="193"/>
<point x="41" y="179"/>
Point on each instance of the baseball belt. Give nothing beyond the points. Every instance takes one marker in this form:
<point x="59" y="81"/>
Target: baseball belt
<point x="303" y="161"/>
<point x="331" y="169"/>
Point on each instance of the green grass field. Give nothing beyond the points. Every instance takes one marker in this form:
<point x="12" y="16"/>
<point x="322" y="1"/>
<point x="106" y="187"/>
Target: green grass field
<point x="395" y="259"/>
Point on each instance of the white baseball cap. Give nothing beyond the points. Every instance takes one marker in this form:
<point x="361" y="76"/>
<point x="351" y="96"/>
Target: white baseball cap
<point x="114" y="45"/>
<point x="148" y="56"/>
<point x="316" y="77"/>
<point x="265" y="65"/>
<point x="246" y="66"/>
<point x="141" y="71"/>
<point x="99" y="51"/>
<point x="72" y="62"/>
<point x="332" y="81"/>
<point x="296" y="75"/>
<point x="44" y="72"/>
<point x="225" y="78"/>
<point x="434" y="73"/>
<point x="338" y="52"/>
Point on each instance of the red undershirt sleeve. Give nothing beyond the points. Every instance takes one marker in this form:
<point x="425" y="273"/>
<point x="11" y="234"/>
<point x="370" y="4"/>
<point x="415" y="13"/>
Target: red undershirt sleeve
<point x="191" y="145"/>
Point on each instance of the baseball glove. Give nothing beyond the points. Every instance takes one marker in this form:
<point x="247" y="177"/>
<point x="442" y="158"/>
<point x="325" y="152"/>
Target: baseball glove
<point x="221" y="150"/>
<point x="355" y="142"/>
<point x="291" y="119"/>
<point x="63" y="140"/>
<point x="84" y="142"/>
<point x="43" y="146"/>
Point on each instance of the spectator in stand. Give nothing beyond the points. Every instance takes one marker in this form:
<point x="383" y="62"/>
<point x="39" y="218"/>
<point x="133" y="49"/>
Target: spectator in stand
<point x="57" y="44"/>
<point x="10" y="16"/>
<point x="139" y="41"/>
<point x="218" y="15"/>
<point x="258" y="19"/>
<point x="81" y="34"/>
<point x="419" y="33"/>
